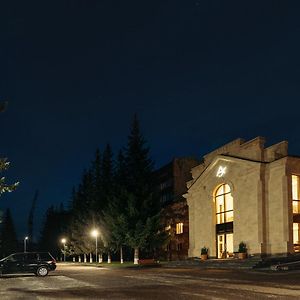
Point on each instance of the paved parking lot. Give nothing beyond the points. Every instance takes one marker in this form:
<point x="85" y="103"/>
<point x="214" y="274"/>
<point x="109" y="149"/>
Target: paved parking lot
<point x="86" y="282"/>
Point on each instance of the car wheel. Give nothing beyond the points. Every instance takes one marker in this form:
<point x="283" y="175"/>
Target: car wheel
<point x="42" y="271"/>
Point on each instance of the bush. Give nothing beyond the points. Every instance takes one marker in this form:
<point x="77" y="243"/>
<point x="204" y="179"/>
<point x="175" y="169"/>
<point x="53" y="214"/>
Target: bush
<point x="242" y="247"/>
<point x="204" y="250"/>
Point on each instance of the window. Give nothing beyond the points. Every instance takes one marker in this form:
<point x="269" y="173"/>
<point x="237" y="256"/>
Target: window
<point x="224" y="204"/>
<point x="295" y="194"/>
<point x="296" y="233"/>
<point x="179" y="228"/>
<point x="31" y="256"/>
<point x="16" y="257"/>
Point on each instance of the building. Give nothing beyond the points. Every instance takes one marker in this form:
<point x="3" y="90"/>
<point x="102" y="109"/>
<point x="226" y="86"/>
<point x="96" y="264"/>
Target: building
<point x="245" y="192"/>
<point x="171" y="180"/>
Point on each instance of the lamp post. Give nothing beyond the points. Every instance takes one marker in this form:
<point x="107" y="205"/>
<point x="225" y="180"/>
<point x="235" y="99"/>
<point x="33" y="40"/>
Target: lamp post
<point x="64" y="243"/>
<point x="95" y="233"/>
<point x="25" y="240"/>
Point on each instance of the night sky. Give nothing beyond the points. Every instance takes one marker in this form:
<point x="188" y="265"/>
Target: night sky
<point x="198" y="74"/>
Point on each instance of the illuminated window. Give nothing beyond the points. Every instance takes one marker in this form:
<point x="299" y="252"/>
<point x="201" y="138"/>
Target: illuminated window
<point x="179" y="228"/>
<point x="295" y="194"/>
<point x="224" y="204"/>
<point x="296" y="233"/>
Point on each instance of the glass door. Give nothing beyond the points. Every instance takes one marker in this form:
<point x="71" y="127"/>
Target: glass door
<point x="225" y="245"/>
<point x="221" y="244"/>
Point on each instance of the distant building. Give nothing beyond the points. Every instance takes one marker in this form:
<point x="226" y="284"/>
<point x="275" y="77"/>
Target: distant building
<point x="245" y="192"/>
<point x="171" y="180"/>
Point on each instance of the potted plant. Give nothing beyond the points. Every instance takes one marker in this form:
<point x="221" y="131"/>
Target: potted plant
<point x="242" y="250"/>
<point x="204" y="253"/>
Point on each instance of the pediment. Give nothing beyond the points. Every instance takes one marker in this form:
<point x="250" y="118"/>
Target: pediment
<point x="219" y="167"/>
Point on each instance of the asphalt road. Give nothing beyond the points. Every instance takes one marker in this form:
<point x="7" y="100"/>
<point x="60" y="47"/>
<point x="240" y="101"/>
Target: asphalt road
<point x="87" y="282"/>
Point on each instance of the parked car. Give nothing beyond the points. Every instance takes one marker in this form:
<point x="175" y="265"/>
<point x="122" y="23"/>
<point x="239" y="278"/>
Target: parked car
<point x="39" y="263"/>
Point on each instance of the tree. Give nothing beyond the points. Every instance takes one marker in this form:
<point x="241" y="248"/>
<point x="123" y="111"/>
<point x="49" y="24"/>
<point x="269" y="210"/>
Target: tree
<point x="54" y="229"/>
<point x="84" y="212"/>
<point x="96" y="170"/>
<point x="4" y="187"/>
<point x="107" y="175"/>
<point x="142" y="210"/>
<point x="31" y="215"/>
<point x="115" y="223"/>
<point x="9" y="243"/>
<point x="4" y="164"/>
<point x="139" y="166"/>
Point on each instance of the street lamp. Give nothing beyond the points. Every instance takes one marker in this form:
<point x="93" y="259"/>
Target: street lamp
<point x="64" y="243"/>
<point x="95" y="233"/>
<point x="25" y="239"/>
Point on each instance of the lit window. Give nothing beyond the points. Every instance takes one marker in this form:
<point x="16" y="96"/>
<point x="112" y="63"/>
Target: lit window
<point x="179" y="228"/>
<point x="295" y="194"/>
<point x="296" y="233"/>
<point x="224" y="204"/>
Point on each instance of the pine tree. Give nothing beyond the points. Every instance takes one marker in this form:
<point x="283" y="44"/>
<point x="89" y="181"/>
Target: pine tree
<point x="107" y="176"/>
<point x="139" y="166"/>
<point x="54" y="228"/>
<point x="9" y="243"/>
<point x="142" y="209"/>
<point x="31" y="216"/>
<point x="84" y="213"/>
<point x="120" y="177"/>
<point x="96" y="170"/>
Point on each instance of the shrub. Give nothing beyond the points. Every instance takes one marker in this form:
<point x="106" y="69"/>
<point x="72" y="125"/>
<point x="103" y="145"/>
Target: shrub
<point x="204" y="250"/>
<point x="242" y="247"/>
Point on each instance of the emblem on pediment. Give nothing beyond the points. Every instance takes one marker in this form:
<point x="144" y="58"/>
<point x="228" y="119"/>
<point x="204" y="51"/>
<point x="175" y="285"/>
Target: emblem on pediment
<point x="221" y="171"/>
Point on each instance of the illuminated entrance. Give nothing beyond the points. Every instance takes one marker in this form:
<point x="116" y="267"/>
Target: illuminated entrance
<point x="296" y="212"/>
<point x="224" y="221"/>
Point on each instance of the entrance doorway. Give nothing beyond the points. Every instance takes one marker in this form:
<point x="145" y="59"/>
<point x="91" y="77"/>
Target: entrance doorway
<point x="225" y="245"/>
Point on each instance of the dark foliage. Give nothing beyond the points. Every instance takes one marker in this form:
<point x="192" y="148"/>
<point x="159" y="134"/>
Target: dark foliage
<point x="9" y="243"/>
<point x="54" y="229"/>
<point x="115" y="197"/>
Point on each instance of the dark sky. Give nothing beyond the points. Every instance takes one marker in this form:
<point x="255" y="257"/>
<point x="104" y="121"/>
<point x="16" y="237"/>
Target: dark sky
<point x="198" y="73"/>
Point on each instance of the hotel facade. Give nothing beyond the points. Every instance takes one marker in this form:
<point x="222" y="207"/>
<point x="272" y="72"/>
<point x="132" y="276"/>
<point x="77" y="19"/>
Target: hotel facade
<point x="245" y="192"/>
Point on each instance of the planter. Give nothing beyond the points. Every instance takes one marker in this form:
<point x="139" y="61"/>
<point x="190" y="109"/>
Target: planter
<point x="204" y="256"/>
<point x="242" y="255"/>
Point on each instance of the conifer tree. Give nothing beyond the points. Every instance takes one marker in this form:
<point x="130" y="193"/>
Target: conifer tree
<point x="107" y="176"/>
<point x="54" y="228"/>
<point x="142" y="211"/>
<point x="120" y="177"/>
<point x="84" y="213"/>
<point x="9" y="243"/>
<point x="31" y="216"/>
<point x="96" y="170"/>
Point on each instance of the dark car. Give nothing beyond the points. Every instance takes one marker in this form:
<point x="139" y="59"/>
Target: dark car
<point x="39" y="263"/>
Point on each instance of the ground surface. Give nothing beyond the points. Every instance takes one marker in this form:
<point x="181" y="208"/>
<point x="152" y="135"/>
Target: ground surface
<point x="86" y="282"/>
